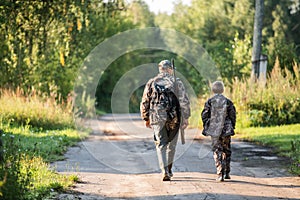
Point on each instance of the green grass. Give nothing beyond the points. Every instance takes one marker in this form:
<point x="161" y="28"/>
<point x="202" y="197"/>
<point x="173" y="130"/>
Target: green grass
<point x="31" y="150"/>
<point x="48" y="144"/>
<point x="285" y="139"/>
<point x="36" y="131"/>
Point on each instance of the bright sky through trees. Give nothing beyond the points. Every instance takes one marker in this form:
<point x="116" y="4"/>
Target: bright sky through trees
<point x="157" y="6"/>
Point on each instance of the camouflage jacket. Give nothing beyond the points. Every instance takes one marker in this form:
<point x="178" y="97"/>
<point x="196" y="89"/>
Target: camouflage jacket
<point x="148" y="108"/>
<point x="212" y="121"/>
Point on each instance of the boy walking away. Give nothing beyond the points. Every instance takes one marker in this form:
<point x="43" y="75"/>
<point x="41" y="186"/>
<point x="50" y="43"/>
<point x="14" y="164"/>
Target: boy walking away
<point x="219" y="118"/>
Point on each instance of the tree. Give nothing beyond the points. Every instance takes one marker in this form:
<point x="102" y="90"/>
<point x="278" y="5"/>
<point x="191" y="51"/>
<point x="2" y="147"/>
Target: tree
<point x="257" y="37"/>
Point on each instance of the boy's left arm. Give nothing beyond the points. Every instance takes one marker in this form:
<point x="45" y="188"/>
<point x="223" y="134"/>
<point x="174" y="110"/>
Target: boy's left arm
<point x="232" y="113"/>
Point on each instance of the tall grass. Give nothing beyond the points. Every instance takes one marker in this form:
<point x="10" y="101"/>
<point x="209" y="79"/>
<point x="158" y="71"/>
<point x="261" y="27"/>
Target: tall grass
<point x="275" y="103"/>
<point x="34" y="109"/>
<point x="35" y="130"/>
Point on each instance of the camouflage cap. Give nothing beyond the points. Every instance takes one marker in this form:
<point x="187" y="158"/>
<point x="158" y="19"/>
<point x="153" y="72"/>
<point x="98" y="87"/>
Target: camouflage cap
<point x="217" y="87"/>
<point x="165" y="64"/>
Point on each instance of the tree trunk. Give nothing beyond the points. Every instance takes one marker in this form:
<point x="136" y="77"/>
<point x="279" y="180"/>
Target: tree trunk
<point x="257" y="38"/>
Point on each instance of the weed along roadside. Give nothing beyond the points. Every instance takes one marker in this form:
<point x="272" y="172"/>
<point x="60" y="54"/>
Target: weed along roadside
<point x="30" y="143"/>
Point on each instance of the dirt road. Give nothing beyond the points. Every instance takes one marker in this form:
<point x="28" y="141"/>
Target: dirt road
<point x="118" y="161"/>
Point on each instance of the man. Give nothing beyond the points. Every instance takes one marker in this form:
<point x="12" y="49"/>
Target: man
<point x="219" y="118"/>
<point x="165" y="108"/>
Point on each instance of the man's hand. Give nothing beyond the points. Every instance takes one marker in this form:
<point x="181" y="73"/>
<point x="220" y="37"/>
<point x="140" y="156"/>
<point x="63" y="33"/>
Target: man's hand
<point x="147" y="124"/>
<point x="185" y="123"/>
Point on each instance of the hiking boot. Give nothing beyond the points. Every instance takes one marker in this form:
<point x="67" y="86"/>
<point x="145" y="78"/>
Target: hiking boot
<point x="170" y="170"/>
<point x="166" y="177"/>
<point x="220" y="178"/>
<point x="227" y="176"/>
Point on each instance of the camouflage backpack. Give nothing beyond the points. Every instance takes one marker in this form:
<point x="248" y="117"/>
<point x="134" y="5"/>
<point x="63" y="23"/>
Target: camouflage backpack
<point x="218" y="114"/>
<point x="165" y="104"/>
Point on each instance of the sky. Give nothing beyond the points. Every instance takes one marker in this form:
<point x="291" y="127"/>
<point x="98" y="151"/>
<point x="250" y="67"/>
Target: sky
<point x="163" y="5"/>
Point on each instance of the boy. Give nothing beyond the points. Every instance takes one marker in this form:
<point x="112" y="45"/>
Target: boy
<point x="219" y="118"/>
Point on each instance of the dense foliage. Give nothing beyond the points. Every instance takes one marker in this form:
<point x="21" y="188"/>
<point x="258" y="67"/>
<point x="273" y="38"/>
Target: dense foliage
<point x="44" y="43"/>
<point x="225" y="29"/>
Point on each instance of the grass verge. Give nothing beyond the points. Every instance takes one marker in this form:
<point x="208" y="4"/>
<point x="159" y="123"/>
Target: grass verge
<point x="34" y="130"/>
<point x="27" y="153"/>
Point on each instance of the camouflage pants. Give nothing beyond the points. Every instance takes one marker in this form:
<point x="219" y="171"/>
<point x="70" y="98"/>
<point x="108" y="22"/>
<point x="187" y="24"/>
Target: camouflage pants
<point x="222" y="153"/>
<point x="164" y="147"/>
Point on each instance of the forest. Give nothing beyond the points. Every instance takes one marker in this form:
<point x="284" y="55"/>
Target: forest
<point x="44" y="43"/>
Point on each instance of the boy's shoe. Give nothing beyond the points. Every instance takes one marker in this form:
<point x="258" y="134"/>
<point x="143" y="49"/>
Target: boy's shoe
<point x="227" y="176"/>
<point x="166" y="177"/>
<point x="220" y="178"/>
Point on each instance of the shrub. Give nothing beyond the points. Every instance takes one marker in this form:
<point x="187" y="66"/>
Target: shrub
<point x="295" y="168"/>
<point x="15" y="177"/>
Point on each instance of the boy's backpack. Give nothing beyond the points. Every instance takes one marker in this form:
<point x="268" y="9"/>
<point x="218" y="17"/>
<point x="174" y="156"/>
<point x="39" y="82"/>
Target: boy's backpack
<point x="164" y="101"/>
<point x="218" y="112"/>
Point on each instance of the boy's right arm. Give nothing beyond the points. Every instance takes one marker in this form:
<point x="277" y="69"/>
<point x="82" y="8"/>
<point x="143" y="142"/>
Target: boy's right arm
<point x="205" y="115"/>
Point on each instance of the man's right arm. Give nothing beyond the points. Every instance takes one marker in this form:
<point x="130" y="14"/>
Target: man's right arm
<point x="145" y="103"/>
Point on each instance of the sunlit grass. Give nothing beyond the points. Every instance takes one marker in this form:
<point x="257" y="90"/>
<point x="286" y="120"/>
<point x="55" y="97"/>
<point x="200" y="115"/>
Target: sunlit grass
<point x="44" y="180"/>
<point x="48" y="144"/>
<point x="36" y="131"/>
<point x="33" y="150"/>
<point x="34" y="110"/>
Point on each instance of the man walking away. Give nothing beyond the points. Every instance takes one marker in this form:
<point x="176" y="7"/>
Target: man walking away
<point x="164" y="103"/>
